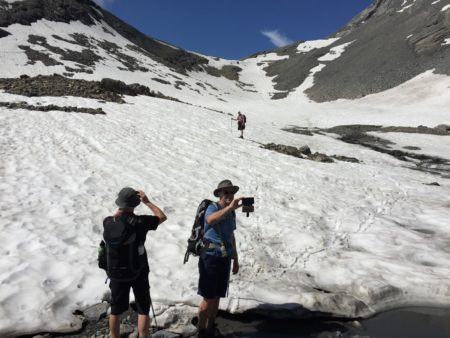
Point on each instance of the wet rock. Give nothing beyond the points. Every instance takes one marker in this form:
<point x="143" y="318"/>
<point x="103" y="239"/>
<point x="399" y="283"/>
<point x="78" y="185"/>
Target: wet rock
<point x="433" y="183"/>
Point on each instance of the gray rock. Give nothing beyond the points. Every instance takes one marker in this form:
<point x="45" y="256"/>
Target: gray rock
<point x="135" y="334"/>
<point x="305" y="150"/>
<point x="96" y="311"/>
<point x="57" y="85"/>
<point x="318" y="157"/>
<point x="126" y="329"/>
<point x="444" y="127"/>
<point x="24" y="105"/>
<point x="345" y="158"/>
<point x="165" y="334"/>
<point x="303" y="153"/>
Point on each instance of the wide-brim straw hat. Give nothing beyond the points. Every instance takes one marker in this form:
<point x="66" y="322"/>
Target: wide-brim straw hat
<point x="225" y="184"/>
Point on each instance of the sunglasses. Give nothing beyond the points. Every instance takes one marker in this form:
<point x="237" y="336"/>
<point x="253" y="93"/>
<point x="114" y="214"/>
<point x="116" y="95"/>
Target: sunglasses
<point x="228" y="192"/>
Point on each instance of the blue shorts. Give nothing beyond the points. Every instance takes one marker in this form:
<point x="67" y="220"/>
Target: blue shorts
<point x="214" y="276"/>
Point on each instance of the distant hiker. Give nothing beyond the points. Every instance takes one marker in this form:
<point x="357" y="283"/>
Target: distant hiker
<point x="215" y="260"/>
<point x="241" y="121"/>
<point x="125" y="234"/>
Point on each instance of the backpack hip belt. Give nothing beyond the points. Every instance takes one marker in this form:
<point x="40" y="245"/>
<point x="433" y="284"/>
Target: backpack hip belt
<point x="208" y="245"/>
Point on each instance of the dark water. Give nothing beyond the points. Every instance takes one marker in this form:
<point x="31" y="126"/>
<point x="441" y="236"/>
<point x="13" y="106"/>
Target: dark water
<point x="402" y="323"/>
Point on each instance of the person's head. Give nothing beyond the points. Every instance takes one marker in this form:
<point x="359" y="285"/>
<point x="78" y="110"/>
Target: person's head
<point x="225" y="192"/>
<point x="127" y="199"/>
<point x="239" y="113"/>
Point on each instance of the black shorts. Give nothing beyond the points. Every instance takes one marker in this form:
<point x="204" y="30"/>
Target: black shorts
<point x="214" y="276"/>
<point x="120" y="295"/>
<point x="241" y="126"/>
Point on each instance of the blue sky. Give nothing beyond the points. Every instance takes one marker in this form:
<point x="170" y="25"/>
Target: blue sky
<point x="234" y="29"/>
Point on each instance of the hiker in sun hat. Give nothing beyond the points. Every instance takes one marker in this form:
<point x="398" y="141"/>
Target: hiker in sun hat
<point x="219" y="255"/>
<point x="125" y="223"/>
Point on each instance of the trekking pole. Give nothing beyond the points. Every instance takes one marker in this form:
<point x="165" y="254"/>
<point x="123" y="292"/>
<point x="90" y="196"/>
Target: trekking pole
<point x="153" y="309"/>
<point x="151" y="303"/>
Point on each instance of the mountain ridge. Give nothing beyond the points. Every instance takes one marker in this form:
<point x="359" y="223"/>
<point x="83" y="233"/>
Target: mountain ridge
<point x="387" y="44"/>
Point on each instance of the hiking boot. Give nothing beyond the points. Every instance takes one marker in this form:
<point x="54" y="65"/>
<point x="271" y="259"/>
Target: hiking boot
<point x="202" y="334"/>
<point x="214" y="333"/>
<point x="241" y="136"/>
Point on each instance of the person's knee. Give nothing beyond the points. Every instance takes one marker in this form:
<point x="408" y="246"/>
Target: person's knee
<point x="208" y="303"/>
<point x="143" y="308"/>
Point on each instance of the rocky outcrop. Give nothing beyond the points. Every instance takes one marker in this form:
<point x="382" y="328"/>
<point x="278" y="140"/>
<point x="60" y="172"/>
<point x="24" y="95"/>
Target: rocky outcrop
<point x="304" y="152"/>
<point x="51" y="107"/>
<point x="56" y="85"/>
<point x="95" y="324"/>
<point x="358" y="134"/>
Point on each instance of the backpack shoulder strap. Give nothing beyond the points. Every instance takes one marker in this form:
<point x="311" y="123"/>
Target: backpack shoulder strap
<point x="217" y="228"/>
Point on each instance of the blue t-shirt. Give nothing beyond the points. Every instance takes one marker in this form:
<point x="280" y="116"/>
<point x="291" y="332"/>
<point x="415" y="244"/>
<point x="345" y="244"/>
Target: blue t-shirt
<point x="227" y="226"/>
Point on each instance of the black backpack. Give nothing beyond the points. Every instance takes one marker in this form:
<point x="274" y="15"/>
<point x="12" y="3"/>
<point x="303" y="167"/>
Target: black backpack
<point x="195" y="242"/>
<point x="118" y="252"/>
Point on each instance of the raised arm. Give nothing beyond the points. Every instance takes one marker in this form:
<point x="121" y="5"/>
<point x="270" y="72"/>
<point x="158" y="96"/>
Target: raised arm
<point x="216" y="216"/>
<point x="156" y="211"/>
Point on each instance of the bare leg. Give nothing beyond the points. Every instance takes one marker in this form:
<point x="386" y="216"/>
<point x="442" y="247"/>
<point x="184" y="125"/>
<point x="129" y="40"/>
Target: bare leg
<point x="207" y="312"/>
<point x="203" y="309"/>
<point x="143" y="325"/>
<point x="210" y="325"/>
<point x="114" y="326"/>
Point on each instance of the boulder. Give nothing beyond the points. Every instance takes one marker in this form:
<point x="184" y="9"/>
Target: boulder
<point x="305" y="150"/>
<point x="444" y="127"/>
<point x="96" y="312"/>
<point x="165" y="334"/>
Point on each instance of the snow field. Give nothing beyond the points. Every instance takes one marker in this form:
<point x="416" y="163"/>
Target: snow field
<point x="354" y="230"/>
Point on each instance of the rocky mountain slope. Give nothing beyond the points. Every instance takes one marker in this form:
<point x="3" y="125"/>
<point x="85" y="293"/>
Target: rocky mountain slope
<point x="78" y="39"/>
<point x="386" y="45"/>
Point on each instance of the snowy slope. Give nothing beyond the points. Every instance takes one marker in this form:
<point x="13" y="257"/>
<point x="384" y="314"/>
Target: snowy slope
<point x="345" y="238"/>
<point x="371" y="234"/>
